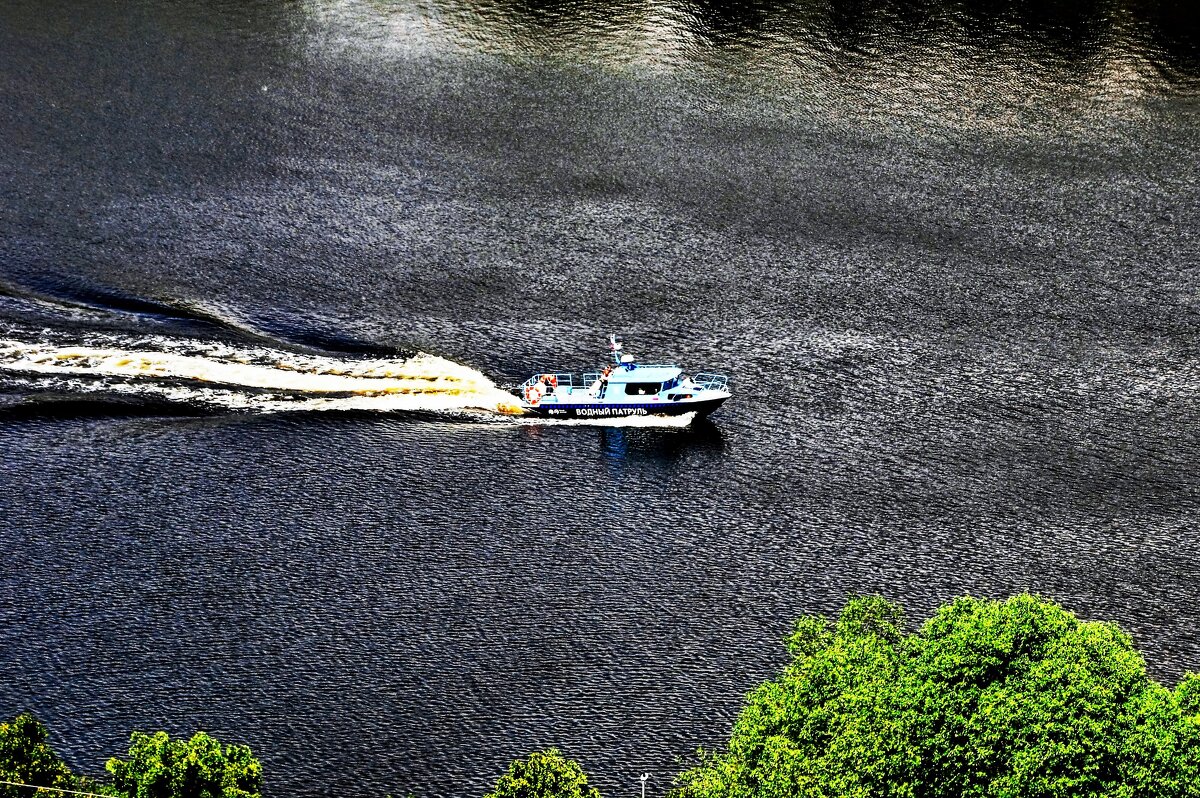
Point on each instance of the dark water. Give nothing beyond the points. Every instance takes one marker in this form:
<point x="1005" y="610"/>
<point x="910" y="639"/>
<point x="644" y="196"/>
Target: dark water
<point x="947" y="252"/>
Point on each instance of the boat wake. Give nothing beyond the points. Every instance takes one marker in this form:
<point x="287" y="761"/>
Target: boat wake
<point x="217" y="376"/>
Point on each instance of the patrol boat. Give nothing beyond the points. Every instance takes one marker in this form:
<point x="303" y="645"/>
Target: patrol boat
<point x="623" y="388"/>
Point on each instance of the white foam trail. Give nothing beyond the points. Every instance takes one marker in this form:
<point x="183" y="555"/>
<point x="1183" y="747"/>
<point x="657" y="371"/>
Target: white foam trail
<point x="245" y="378"/>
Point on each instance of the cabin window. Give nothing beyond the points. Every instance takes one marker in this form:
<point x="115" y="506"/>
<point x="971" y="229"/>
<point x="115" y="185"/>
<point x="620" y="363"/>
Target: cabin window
<point x="642" y="388"/>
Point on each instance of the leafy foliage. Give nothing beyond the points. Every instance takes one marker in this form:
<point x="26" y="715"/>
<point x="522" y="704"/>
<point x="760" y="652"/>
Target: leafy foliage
<point x="544" y="774"/>
<point x="159" y="767"/>
<point x="1006" y="699"/>
<point x="26" y="757"/>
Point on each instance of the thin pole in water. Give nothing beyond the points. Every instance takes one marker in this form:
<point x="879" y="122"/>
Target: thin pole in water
<point x="643" y="777"/>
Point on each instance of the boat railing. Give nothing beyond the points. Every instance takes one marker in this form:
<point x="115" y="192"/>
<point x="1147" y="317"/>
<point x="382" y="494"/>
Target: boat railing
<point x="564" y="380"/>
<point x="711" y="382"/>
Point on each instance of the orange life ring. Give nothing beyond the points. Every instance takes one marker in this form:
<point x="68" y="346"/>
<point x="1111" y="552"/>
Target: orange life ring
<point x="551" y="380"/>
<point x="533" y="394"/>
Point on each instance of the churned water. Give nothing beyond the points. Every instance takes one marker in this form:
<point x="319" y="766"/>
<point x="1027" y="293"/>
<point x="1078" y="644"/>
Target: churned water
<point x="264" y="264"/>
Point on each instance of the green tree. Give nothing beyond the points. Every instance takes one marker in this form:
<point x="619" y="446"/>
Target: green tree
<point x="159" y="767"/>
<point x="26" y="758"/>
<point x="1013" y="699"/>
<point x="544" y="774"/>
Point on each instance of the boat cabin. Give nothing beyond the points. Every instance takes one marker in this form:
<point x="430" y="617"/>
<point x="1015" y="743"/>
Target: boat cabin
<point x="641" y="380"/>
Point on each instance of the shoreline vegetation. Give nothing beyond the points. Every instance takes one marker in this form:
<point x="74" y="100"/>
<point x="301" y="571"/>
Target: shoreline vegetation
<point x="157" y="767"/>
<point x="1015" y="698"/>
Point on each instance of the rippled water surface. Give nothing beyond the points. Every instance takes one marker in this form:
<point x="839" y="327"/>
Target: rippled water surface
<point x="263" y="264"/>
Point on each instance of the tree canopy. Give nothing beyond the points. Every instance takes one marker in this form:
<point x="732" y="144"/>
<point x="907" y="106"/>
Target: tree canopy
<point x="159" y="767"/>
<point x="26" y="758"/>
<point x="1004" y="699"/>
<point x="544" y="774"/>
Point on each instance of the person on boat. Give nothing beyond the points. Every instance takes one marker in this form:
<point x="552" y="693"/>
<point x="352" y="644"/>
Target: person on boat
<point x="604" y="381"/>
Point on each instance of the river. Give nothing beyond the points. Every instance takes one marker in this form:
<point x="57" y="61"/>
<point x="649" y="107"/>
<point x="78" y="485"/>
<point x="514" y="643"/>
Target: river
<point x="264" y="264"/>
